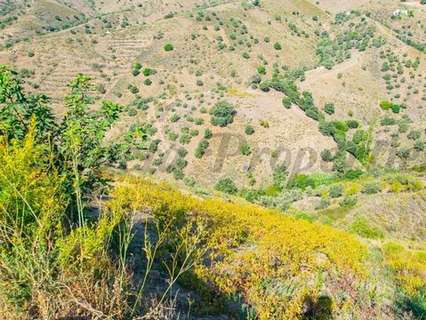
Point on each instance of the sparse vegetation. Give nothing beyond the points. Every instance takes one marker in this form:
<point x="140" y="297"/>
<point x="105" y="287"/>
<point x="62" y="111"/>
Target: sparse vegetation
<point x="289" y="141"/>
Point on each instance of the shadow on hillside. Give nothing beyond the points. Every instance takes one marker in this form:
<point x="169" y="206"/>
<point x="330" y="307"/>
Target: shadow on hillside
<point x="319" y="309"/>
<point x="414" y="305"/>
<point x="193" y="297"/>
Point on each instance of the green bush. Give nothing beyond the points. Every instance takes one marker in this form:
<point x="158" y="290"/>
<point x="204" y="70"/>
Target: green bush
<point x="198" y="121"/>
<point x="387" y="105"/>
<point x="265" y="86"/>
<point x="172" y="136"/>
<point x="362" y="227"/>
<point x="249" y="130"/>
<point x="329" y="108"/>
<point x="136" y="69"/>
<point x="133" y="89"/>
<point x="208" y="134"/>
<point x="371" y="188"/>
<point x="277" y="46"/>
<point x="201" y="148"/>
<point x="396" y="108"/>
<point x="261" y="69"/>
<point x="226" y="185"/>
<point x="327" y="128"/>
<point x="352" y="124"/>
<point x="168" y="47"/>
<point x="287" y="102"/>
<point x="353" y="174"/>
<point x="303" y="181"/>
<point x="148" y="71"/>
<point x="189" y="182"/>
<point x="313" y="113"/>
<point x="182" y="152"/>
<point x="185" y="138"/>
<point x="245" y="149"/>
<point x="336" y="191"/>
<point x="403" y="153"/>
<point x="386" y="121"/>
<point x="222" y="114"/>
<point x="323" y="204"/>
<point x="419" y="145"/>
<point x="175" y="117"/>
<point x="414" y="135"/>
<point x="348" y="202"/>
<point x="279" y="177"/>
<point x="340" y="126"/>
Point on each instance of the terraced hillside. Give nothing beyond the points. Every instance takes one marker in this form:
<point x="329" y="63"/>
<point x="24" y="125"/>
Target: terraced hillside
<point x="313" y="109"/>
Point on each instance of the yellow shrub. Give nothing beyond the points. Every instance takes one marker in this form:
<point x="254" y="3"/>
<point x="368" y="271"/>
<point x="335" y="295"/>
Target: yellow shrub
<point x="259" y="252"/>
<point x="30" y="197"/>
<point x="235" y="92"/>
<point x="396" y="187"/>
<point x="409" y="266"/>
<point x="352" y="188"/>
<point x="39" y="254"/>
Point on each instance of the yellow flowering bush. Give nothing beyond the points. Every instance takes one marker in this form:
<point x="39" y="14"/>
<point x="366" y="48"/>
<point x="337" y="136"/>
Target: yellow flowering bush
<point x="282" y="267"/>
<point x="409" y="266"/>
<point x="48" y="269"/>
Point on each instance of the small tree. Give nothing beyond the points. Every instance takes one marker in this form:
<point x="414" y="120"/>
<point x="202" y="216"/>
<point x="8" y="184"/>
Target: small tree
<point x="201" y="148"/>
<point x="277" y="46"/>
<point x="81" y="135"/>
<point x="261" y="69"/>
<point x="222" y="114"/>
<point x="249" y="130"/>
<point x="168" y="47"/>
<point x="17" y="109"/>
<point x="208" y="134"/>
<point x="226" y="185"/>
<point x="245" y="149"/>
<point x="329" y="108"/>
<point x="136" y="69"/>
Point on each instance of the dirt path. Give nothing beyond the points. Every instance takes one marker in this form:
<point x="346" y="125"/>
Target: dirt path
<point x="321" y="72"/>
<point x="415" y="4"/>
<point x="52" y="35"/>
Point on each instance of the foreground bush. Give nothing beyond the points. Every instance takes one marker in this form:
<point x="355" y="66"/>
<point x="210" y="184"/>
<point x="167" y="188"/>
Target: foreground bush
<point x="47" y="269"/>
<point x="58" y="259"/>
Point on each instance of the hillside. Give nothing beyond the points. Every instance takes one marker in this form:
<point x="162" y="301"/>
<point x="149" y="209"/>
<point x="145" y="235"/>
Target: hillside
<point x="213" y="159"/>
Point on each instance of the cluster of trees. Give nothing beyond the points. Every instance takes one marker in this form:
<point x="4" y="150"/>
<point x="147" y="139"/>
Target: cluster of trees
<point x="358" y="35"/>
<point x="359" y="146"/>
